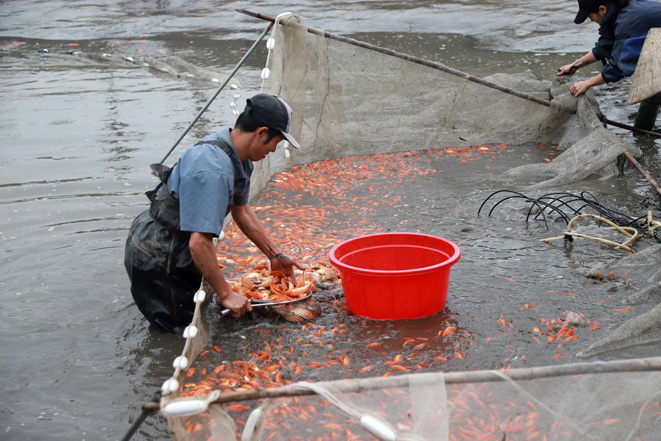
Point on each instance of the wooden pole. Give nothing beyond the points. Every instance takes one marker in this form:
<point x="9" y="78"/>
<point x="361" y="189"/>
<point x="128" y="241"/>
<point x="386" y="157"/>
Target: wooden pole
<point x="644" y="172"/>
<point x="632" y="128"/>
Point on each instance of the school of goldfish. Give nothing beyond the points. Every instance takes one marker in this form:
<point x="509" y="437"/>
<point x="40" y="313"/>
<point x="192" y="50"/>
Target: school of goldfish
<point x="309" y="207"/>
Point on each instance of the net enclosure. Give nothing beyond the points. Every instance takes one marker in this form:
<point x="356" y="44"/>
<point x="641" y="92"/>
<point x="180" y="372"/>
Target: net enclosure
<point x="350" y="98"/>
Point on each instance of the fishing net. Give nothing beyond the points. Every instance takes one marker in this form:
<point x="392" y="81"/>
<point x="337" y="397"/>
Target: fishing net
<point x="176" y="67"/>
<point x="352" y="98"/>
<point x="598" y="401"/>
<point x="349" y="98"/>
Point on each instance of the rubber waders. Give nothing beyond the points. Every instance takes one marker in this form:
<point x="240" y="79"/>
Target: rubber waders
<point x="646" y="116"/>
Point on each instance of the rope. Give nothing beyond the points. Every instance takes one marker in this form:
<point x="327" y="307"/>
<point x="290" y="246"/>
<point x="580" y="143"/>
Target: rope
<point x="190" y="332"/>
<point x="270" y="44"/>
<point x="632" y="233"/>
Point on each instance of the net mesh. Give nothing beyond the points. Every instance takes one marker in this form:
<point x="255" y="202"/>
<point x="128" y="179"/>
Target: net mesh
<point x="427" y="409"/>
<point x="436" y="406"/>
<point x="351" y="99"/>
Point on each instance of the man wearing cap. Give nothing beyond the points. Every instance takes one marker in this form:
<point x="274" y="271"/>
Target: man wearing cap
<point x="623" y="27"/>
<point x="170" y="246"/>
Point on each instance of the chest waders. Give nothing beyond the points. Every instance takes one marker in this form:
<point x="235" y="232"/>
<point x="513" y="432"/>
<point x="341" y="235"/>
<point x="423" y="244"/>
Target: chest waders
<point x="158" y="261"/>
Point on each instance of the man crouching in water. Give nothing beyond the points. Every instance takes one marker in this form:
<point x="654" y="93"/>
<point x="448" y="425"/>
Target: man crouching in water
<point x="170" y="246"/>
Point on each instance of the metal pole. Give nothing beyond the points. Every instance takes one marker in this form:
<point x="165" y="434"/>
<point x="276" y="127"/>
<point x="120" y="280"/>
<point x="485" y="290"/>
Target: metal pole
<point x="222" y="86"/>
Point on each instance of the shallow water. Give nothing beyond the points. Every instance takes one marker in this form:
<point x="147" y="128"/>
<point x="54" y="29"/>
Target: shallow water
<point x="80" y="130"/>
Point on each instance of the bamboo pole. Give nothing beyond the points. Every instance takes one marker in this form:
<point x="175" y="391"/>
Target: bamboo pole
<point x="366" y="384"/>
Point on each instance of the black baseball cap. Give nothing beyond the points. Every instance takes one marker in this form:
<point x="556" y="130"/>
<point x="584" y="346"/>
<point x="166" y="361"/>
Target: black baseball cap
<point x="586" y="7"/>
<point x="273" y="112"/>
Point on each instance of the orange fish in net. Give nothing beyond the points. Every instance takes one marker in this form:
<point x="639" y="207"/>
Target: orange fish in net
<point x="262" y="284"/>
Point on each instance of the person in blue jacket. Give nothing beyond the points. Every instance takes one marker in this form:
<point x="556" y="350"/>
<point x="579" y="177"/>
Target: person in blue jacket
<point x="623" y="27"/>
<point x="170" y="246"/>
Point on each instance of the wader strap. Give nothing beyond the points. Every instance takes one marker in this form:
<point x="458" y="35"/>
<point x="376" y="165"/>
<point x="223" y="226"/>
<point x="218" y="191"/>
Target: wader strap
<point x="228" y="151"/>
<point x="163" y="173"/>
<point x="164" y="208"/>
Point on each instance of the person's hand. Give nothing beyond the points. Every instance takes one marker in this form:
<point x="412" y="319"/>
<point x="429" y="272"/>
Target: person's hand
<point x="285" y="264"/>
<point x="579" y="88"/>
<point x="568" y="69"/>
<point x="237" y="303"/>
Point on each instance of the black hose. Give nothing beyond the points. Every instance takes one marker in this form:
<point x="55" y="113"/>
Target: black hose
<point x="564" y="205"/>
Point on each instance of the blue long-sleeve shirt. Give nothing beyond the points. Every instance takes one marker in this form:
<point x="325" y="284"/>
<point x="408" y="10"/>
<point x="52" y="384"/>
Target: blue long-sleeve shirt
<point x="628" y="30"/>
<point x="604" y="46"/>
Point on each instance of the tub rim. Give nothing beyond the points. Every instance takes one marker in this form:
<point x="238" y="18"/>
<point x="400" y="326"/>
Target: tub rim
<point x="451" y="260"/>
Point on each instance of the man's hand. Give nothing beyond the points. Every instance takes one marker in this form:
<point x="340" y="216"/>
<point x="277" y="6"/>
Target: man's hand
<point x="583" y="86"/>
<point x="237" y="303"/>
<point x="568" y="69"/>
<point x="203" y="252"/>
<point x="285" y="264"/>
<point x="579" y="88"/>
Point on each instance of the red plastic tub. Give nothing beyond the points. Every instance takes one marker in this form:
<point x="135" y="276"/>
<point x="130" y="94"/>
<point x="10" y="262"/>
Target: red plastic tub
<point x="395" y="276"/>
